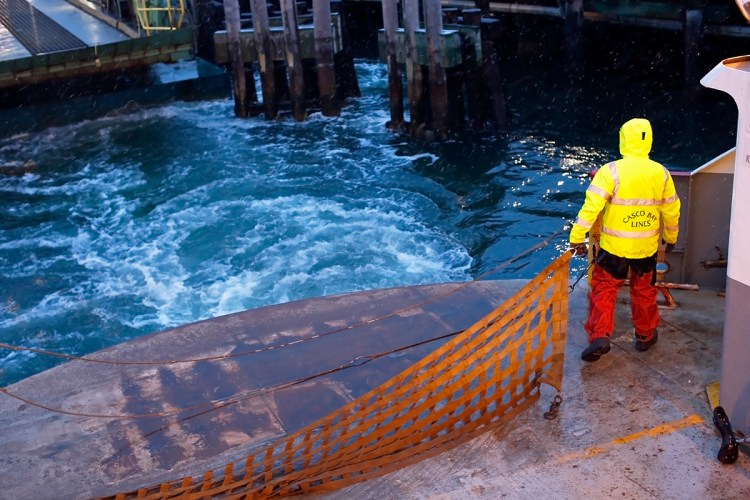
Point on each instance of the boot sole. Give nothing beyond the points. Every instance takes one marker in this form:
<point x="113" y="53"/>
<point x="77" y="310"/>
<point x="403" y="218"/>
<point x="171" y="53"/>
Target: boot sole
<point x="644" y="346"/>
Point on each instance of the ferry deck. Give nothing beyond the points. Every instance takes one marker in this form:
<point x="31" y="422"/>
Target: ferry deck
<point x="631" y="425"/>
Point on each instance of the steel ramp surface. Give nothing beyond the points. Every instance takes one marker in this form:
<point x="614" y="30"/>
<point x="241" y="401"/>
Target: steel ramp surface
<point x="35" y="30"/>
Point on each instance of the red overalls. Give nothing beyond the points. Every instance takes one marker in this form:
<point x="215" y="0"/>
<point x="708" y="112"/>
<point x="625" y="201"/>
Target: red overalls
<point x="608" y="276"/>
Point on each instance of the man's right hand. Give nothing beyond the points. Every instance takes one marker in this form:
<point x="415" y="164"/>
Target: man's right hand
<point x="579" y="249"/>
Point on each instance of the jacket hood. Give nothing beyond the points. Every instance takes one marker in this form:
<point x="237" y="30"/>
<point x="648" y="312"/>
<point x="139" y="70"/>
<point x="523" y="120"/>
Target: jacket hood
<point x="636" y="138"/>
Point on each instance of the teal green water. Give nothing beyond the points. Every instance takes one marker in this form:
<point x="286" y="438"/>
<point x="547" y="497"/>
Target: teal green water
<point x="151" y="218"/>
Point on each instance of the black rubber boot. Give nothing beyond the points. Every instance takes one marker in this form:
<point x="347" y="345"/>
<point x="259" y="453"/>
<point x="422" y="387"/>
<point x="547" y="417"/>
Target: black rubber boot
<point x="643" y="345"/>
<point x="595" y="349"/>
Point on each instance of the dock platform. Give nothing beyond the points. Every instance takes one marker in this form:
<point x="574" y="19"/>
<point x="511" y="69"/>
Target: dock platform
<point x="56" y="39"/>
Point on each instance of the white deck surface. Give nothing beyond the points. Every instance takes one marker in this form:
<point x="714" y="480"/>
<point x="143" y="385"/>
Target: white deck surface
<point x="87" y="28"/>
<point x="10" y="48"/>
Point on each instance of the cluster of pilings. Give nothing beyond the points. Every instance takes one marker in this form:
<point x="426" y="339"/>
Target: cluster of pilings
<point x="447" y="57"/>
<point x="301" y="57"/>
<point x="451" y="66"/>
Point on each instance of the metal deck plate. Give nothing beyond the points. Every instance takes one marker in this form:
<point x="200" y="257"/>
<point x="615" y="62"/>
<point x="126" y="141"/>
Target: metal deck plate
<point x="37" y="32"/>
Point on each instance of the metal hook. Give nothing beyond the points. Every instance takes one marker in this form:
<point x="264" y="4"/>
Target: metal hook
<point x="553" y="408"/>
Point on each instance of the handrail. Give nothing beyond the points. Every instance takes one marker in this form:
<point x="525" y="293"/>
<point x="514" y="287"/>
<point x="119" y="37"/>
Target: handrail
<point x="159" y="15"/>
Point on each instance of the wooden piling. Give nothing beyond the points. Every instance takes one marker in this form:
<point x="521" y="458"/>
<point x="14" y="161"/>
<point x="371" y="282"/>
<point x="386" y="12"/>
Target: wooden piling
<point x="281" y="90"/>
<point x="395" y="88"/>
<point x="259" y="10"/>
<point x="455" y="78"/>
<point x="251" y="93"/>
<point x="239" y="87"/>
<point x="293" y="59"/>
<point x="208" y="22"/>
<point x="451" y="15"/>
<point x="573" y="30"/>
<point x="693" y="30"/>
<point x="310" y="75"/>
<point x="483" y="6"/>
<point x="472" y="17"/>
<point x="343" y="61"/>
<point x="413" y="68"/>
<point x="476" y="95"/>
<point x="491" y="32"/>
<point x="324" y="58"/>
<point x="433" y="19"/>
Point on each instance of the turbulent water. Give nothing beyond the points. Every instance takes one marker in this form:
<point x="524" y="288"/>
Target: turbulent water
<point x="152" y="218"/>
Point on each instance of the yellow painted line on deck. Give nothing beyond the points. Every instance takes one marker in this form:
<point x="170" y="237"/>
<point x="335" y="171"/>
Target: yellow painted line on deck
<point x="659" y="430"/>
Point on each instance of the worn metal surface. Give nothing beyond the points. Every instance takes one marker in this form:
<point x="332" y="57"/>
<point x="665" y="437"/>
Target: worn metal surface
<point x="35" y="30"/>
<point x="735" y="373"/>
<point x="53" y="455"/>
<point x="631" y="425"/>
<point x="706" y="195"/>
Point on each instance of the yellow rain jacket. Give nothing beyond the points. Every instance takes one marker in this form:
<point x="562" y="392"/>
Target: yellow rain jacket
<point x="637" y="195"/>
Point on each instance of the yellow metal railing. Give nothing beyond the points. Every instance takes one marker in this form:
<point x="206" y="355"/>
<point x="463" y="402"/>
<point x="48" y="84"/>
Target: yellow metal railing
<point x="160" y="15"/>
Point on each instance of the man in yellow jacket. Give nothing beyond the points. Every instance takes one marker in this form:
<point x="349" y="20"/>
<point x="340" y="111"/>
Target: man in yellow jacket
<point x="638" y="197"/>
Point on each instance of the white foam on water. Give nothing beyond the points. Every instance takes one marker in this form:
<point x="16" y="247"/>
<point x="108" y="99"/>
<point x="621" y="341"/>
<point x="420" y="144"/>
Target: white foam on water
<point x="231" y="293"/>
<point x="52" y="305"/>
<point x="303" y="247"/>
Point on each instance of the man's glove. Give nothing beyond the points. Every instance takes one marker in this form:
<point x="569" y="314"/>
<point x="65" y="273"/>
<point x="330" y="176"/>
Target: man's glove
<point x="579" y="249"/>
<point x="669" y="247"/>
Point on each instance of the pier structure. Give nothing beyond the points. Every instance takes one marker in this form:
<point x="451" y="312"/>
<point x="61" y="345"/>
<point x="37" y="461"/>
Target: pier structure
<point x="301" y="57"/>
<point x="449" y="53"/>
<point x="53" y="40"/>
<point x="449" y="50"/>
<point x="451" y="67"/>
<point x="697" y="20"/>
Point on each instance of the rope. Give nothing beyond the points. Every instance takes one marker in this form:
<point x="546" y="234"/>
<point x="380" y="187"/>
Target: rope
<point x="229" y="400"/>
<point x="235" y="398"/>
<point x="583" y="273"/>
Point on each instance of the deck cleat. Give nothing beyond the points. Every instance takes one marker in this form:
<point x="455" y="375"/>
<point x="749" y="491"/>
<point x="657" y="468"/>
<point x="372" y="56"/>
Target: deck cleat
<point x="729" y="450"/>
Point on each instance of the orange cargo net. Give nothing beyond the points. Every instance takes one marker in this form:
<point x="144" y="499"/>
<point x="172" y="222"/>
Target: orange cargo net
<point x="480" y="379"/>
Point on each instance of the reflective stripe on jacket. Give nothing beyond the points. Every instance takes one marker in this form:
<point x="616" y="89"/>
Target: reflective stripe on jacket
<point x="637" y="195"/>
